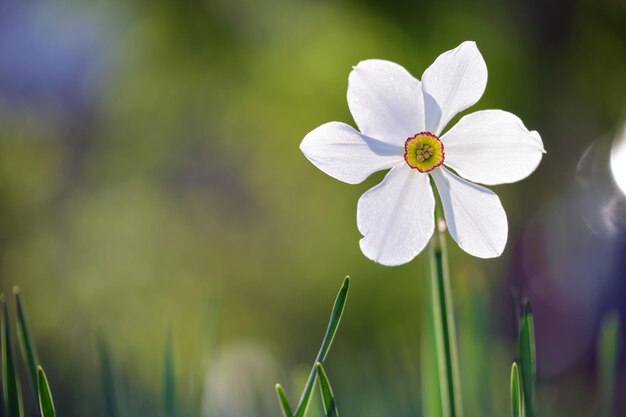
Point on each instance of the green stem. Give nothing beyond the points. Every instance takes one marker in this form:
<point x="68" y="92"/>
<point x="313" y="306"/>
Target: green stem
<point x="444" y="326"/>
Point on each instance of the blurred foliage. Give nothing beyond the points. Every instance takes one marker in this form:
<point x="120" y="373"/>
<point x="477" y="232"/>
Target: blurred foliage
<point x="150" y="178"/>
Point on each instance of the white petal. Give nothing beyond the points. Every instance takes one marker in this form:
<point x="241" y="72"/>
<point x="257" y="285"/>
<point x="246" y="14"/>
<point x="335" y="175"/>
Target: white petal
<point x="474" y="215"/>
<point x="492" y="147"/>
<point x="385" y="101"/>
<point x="396" y="217"/>
<point x="455" y="81"/>
<point x="345" y="154"/>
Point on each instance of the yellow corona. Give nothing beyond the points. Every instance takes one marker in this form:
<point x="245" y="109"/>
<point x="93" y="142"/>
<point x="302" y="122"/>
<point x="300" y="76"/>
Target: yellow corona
<point x="424" y="152"/>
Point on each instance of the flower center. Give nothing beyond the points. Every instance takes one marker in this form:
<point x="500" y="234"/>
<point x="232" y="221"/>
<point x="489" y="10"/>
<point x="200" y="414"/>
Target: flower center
<point x="424" y="152"/>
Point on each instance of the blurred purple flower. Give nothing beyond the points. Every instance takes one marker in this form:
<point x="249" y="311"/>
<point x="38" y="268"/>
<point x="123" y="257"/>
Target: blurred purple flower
<point x="47" y="52"/>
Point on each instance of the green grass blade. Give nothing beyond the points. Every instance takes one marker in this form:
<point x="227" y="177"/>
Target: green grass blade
<point x="528" y="364"/>
<point x="27" y="347"/>
<point x="169" y="393"/>
<point x="106" y="373"/>
<point x="516" y="393"/>
<point x="46" y="405"/>
<point x="284" y="402"/>
<point x="331" y="330"/>
<point x="333" y="323"/>
<point x="608" y="351"/>
<point x="306" y="394"/>
<point x="445" y="328"/>
<point x="10" y="379"/>
<point x="328" y="399"/>
<point x="335" y="318"/>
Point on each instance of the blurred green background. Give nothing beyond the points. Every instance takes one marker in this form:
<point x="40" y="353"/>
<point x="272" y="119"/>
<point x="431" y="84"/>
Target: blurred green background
<point x="150" y="179"/>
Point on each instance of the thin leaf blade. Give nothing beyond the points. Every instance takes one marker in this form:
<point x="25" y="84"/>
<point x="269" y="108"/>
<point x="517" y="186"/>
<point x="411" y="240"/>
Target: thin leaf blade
<point x="27" y="347"/>
<point x="10" y="379"/>
<point x="46" y="404"/>
<point x="331" y="330"/>
<point x="328" y="398"/>
<point x="528" y="364"/>
<point x="516" y="393"/>
<point x="335" y="318"/>
<point x="284" y="402"/>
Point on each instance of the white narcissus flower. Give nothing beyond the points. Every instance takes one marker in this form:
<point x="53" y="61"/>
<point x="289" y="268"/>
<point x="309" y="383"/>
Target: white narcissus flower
<point x="401" y="120"/>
